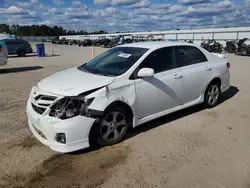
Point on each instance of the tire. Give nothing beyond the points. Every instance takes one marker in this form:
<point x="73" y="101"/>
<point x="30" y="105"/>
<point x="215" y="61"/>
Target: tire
<point x="21" y="53"/>
<point x="212" y="95"/>
<point x="108" y="132"/>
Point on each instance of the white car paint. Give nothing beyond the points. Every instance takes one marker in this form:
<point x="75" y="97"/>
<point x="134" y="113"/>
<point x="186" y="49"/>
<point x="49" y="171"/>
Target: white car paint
<point x="164" y="86"/>
<point x="148" y="98"/>
<point x="78" y="83"/>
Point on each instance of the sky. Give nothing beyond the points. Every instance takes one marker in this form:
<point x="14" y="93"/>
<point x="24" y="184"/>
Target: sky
<point x="127" y="15"/>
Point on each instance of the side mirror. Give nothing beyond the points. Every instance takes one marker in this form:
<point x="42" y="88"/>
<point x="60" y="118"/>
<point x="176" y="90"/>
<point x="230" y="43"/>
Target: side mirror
<point x="146" y="72"/>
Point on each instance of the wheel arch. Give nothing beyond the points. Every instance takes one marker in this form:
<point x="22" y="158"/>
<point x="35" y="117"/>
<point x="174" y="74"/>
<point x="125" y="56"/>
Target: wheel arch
<point x="20" y="49"/>
<point x="123" y="104"/>
<point x="214" y="80"/>
<point x="111" y="105"/>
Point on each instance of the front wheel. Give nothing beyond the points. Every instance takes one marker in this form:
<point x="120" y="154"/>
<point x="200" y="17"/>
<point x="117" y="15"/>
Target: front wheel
<point x="112" y="127"/>
<point x="212" y="95"/>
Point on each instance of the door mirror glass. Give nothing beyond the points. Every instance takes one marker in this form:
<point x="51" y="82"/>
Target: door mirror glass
<point x="145" y="72"/>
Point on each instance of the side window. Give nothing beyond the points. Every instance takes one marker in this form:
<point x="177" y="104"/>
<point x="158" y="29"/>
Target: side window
<point x="189" y="55"/>
<point x="12" y="42"/>
<point x="160" y="60"/>
<point x="7" y="42"/>
<point x="22" y="42"/>
<point x="19" y="42"/>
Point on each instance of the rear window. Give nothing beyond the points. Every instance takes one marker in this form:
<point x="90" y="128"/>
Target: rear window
<point x="14" y="42"/>
<point x="189" y="55"/>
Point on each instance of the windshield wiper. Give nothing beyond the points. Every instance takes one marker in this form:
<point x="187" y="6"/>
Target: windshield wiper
<point x="83" y="68"/>
<point x="93" y="70"/>
<point x="97" y="71"/>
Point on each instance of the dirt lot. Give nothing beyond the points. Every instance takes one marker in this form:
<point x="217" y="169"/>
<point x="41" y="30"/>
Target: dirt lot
<point x="191" y="148"/>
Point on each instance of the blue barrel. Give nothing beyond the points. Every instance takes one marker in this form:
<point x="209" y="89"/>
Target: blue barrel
<point x="40" y="50"/>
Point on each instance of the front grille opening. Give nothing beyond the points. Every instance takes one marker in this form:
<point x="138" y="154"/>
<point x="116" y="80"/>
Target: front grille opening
<point x="45" y="97"/>
<point x="37" y="97"/>
<point x="43" y="104"/>
<point x="48" y="98"/>
<point x="39" y="110"/>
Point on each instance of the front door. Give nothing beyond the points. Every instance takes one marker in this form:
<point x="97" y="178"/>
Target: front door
<point x="162" y="91"/>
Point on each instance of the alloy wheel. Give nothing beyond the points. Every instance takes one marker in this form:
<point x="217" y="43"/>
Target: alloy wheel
<point x="113" y="126"/>
<point x="213" y="95"/>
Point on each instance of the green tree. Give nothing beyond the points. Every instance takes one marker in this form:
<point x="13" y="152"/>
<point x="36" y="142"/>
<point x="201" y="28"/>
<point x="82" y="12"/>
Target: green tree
<point x="4" y="28"/>
<point x="42" y="30"/>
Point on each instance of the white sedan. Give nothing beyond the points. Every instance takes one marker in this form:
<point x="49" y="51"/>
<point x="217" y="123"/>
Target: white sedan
<point x="124" y="87"/>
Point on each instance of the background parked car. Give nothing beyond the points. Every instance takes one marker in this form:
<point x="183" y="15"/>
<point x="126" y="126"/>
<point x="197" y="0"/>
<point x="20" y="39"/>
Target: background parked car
<point x="3" y="54"/>
<point x="18" y="46"/>
<point x="46" y="40"/>
<point x="86" y="42"/>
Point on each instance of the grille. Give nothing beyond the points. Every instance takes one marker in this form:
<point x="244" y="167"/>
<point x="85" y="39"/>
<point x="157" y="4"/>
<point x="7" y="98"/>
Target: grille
<point x="39" y="110"/>
<point x="45" y="97"/>
<point x="42" y="102"/>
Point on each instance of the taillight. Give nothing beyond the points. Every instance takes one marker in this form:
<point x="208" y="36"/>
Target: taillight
<point x="1" y="49"/>
<point x="228" y="65"/>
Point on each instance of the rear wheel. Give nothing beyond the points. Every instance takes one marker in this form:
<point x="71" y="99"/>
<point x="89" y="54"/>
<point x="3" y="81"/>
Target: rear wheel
<point x="212" y="95"/>
<point x="112" y="127"/>
<point x="21" y="53"/>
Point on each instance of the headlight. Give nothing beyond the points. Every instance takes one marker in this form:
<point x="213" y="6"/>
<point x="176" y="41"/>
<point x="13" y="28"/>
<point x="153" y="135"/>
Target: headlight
<point x="67" y="108"/>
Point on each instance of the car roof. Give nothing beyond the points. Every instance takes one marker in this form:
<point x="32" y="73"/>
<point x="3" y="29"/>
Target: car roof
<point x="157" y="44"/>
<point x="11" y="39"/>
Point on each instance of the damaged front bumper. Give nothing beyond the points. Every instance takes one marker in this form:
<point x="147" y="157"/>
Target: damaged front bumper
<point x="60" y="135"/>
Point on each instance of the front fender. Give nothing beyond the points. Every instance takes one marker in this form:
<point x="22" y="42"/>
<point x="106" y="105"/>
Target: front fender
<point x="109" y="94"/>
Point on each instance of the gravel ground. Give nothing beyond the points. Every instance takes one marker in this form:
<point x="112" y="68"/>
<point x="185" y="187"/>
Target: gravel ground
<point x="190" y="148"/>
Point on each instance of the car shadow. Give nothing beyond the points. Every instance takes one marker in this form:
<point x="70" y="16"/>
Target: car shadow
<point x="19" y="69"/>
<point x="231" y="92"/>
<point x="32" y="55"/>
<point x="163" y="87"/>
<point x="55" y="55"/>
<point x="27" y="55"/>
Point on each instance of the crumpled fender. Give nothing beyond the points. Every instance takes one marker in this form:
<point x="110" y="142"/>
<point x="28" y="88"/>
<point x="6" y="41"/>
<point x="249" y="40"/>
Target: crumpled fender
<point x="119" y="90"/>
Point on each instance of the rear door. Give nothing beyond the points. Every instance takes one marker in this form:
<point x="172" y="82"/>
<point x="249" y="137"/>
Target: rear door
<point x="196" y="72"/>
<point x="163" y="90"/>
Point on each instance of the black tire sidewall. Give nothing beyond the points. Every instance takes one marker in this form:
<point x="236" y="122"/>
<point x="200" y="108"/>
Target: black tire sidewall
<point x="207" y="105"/>
<point x="97" y="135"/>
<point x="21" y="53"/>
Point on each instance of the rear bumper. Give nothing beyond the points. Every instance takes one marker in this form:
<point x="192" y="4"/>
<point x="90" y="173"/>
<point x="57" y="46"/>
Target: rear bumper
<point x="225" y="87"/>
<point x="225" y="80"/>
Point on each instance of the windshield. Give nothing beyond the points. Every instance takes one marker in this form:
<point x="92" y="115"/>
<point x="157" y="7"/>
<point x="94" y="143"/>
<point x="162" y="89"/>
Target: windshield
<point x="114" y="62"/>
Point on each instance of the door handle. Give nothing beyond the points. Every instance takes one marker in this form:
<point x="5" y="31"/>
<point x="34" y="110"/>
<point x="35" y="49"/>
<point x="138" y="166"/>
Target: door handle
<point x="208" y="68"/>
<point x="177" y="76"/>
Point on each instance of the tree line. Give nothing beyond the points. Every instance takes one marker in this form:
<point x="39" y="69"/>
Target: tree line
<point x="42" y="30"/>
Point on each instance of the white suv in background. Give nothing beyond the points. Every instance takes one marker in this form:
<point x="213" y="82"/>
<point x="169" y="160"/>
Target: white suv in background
<point x="124" y="87"/>
<point x="3" y="54"/>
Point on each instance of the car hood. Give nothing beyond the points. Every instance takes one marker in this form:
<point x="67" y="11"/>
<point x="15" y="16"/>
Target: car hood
<point x="73" y="82"/>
